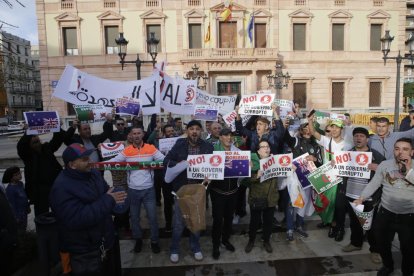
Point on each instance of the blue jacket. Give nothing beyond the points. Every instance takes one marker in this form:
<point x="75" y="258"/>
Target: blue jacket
<point x="83" y="210"/>
<point x="178" y="153"/>
<point x="274" y="136"/>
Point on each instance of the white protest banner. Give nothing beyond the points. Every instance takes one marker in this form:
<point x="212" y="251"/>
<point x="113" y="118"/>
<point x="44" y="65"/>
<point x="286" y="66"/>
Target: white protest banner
<point x="206" y="165"/>
<point x="80" y="88"/>
<point x="178" y="95"/>
<point x="303" y="169"/>
<point x="364" y="218"/>
<point x="40" y="122"/>
<point x="323" y="178"/>
<point x="237" y="164"/>
<point x="257" y="104"/>
<point x="205" y="113"/>
<point x="166" y="144"/>
<point x="90" y="113"/>
<point x="276" y="166"/>
<point x="353" y="164"/>
<point x="230" y="119"/>
<point x="224" y="104"/>
<point x="286" y="107"/>
<point x="127" y="105"/>
<point x="111" y="149"/>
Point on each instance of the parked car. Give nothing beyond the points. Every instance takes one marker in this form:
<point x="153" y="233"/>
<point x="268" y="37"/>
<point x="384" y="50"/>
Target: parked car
<point x="16" y="125"/>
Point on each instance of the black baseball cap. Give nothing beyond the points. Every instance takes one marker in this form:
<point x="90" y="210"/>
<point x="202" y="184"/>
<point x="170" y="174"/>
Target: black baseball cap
<point x="360" y="130"/>
<point x="194" y="123"/>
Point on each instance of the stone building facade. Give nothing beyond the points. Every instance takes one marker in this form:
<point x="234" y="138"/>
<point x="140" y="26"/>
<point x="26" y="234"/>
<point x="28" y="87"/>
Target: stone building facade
<point x="330" y="48"/>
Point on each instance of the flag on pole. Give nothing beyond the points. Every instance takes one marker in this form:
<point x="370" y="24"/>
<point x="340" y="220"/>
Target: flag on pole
<point x="250" y="28"/>
<point x="226" y="14"/>
<point x="207" y="37"/>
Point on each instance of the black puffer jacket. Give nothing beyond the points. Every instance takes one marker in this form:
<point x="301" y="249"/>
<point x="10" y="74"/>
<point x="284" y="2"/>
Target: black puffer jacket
<point x="83" y="211"/>
<point x="178" y="153"/>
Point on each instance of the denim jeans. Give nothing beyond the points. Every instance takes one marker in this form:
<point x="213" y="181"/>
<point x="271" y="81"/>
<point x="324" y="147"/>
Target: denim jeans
<point x="290" y="212"/>
<point x="147" y="197"/>
<point x="178" y="228"/>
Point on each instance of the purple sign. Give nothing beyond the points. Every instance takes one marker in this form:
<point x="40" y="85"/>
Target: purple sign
<point x="127" y="106"/>
<point x="205" y="113"/>
<point x="303" y="169"/>
<point x="237" y="164"/>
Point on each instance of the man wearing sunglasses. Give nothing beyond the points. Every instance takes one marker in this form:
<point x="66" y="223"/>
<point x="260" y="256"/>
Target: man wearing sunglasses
<point x="120" y="134"/>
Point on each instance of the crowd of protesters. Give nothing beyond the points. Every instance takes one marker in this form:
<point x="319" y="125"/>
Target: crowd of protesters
<point x="83" y="203"/>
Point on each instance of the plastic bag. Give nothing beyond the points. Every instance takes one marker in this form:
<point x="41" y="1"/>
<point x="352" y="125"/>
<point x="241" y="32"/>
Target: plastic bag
<point x="295" y="191"/>
<point x="191" y="200"/>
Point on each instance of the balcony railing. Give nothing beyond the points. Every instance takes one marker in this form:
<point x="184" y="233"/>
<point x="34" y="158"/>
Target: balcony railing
<point x="230" y="53"/>
<point x="339" y="2"/>
<point x="378" y="3"/>
<point x="66" y="4"/>
<point x="300" y="2"/>
<point x="260" y="2"/>
<point x="23" y="105"/>
<point x="152" y="3"/>
<point x="191" y="3"/>
<point x="109" y="4"/>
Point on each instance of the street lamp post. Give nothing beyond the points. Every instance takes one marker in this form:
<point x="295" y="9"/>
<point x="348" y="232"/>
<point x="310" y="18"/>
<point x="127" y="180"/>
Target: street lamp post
<point x="278" y="80"/>
<point x="385" y="46"/>
<point x="195" y="76"/>
<point x="152" y="44"/>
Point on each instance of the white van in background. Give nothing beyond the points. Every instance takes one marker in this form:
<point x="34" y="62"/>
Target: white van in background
<point x="16" y="126"/>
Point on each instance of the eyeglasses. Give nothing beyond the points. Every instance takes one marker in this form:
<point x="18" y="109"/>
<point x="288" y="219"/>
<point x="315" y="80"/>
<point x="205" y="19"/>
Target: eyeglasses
<point x="121" y="124"/>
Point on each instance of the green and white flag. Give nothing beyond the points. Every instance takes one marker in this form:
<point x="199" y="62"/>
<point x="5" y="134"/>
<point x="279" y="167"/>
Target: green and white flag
<point x="323" y="178"/>
<point x="90" y="113"/>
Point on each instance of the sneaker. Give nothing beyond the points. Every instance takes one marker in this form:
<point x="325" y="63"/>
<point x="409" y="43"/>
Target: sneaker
<point x="376" y="258"/>
<point x="174" y="258"/>
<point x="155" y="247"/>
<point x="301" y="232"/>
<point x="198" y="256"/>
<point x="289" y="235"/>
<point x="249" y="246"/>
<point x="350" y="247"/>
<point x="385" y="271"/>
<point x="216" y="252"/>
<point x="138" y="246"/>
<point x="229" y="246"/>
<point x="236" y="219"/>
<point x="268" y="247"/>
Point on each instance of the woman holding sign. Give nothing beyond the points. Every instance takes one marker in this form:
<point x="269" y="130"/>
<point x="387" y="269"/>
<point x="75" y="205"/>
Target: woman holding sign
<point x="263" y="198"/>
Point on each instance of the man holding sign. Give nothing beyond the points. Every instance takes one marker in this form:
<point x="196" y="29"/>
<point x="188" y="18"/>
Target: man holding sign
<point x="192" y="145"/>
<point x="354" y="187"/>
<point x="223" y="195"/>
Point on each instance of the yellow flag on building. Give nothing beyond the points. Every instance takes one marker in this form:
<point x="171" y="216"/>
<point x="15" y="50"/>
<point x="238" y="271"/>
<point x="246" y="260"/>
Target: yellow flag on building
<point x="226" y="14"/>
<point x="207" y="37"/>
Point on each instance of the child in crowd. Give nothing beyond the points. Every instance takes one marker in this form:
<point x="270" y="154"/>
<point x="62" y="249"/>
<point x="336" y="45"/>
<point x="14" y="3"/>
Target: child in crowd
<point x="17" y="196"/>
